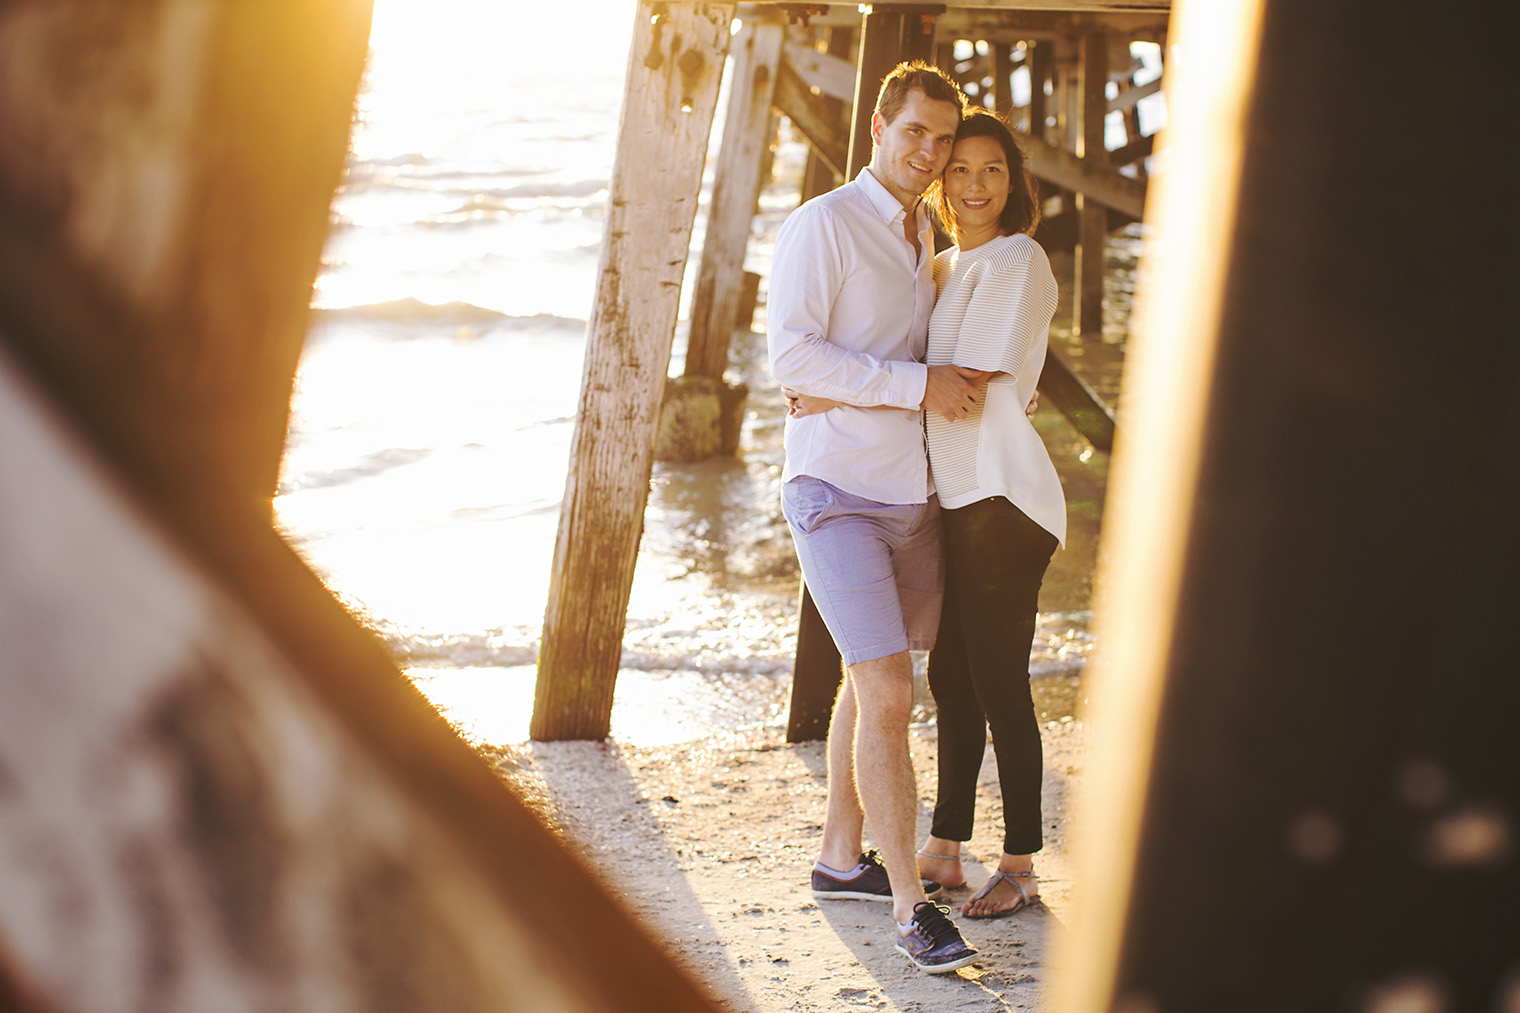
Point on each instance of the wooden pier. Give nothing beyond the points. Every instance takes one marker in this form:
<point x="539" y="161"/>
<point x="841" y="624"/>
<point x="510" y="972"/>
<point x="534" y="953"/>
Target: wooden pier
<point x="217" y="791"/>
<point x="819" y="66"/>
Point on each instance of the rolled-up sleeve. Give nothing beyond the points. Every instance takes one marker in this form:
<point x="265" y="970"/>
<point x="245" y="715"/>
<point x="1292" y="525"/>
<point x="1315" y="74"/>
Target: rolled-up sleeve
<point x="807" y="284"/>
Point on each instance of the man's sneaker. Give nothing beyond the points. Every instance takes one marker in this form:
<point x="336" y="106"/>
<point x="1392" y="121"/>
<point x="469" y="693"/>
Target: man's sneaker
<point x="867" y="881"/>
<point x="933" y="942"/>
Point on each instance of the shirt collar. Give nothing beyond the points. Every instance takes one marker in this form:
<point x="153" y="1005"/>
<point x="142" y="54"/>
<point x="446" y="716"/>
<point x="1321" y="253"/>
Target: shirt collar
<point x="887" y="206"/>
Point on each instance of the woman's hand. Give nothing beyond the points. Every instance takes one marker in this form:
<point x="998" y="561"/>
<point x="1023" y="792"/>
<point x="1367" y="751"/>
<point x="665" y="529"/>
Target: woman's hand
<point x="799" y="405"/>
<point x="1034" y="404"/>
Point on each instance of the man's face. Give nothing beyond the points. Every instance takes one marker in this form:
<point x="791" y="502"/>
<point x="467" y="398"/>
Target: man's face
<point x="912" y="150"/>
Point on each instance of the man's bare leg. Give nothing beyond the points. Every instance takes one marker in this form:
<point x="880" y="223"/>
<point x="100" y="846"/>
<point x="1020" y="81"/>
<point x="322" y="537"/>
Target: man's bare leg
<point x="845" y="822"/>
<point x="883" y="690"/>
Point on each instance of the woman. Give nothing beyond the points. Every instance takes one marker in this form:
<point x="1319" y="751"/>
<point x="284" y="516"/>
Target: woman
<point x="1002" y="507"/>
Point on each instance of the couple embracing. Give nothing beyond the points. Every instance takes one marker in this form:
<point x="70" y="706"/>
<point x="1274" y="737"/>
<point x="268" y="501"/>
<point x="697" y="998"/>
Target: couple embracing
<point x="923" y="505"/>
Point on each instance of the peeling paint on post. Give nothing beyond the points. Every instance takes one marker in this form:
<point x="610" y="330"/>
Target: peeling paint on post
<point x="668" y="105"/>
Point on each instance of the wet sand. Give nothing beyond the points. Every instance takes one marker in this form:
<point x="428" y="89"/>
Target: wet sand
<point x="711" y="844"/>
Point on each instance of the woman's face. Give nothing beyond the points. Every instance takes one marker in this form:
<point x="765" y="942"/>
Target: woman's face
<point x="977" y="183"/>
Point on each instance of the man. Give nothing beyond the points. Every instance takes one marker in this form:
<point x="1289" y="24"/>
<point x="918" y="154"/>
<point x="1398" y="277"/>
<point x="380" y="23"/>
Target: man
<point x="847" y="318"/>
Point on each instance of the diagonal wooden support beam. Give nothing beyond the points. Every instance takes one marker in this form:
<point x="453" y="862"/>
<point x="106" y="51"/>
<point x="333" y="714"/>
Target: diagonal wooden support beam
<point x="1070" y="171"/>
<point x="823" y="122"/>
<point x="833" y="76"/>
<point x="1081" y="405"/>
<point x="1130" y="97"/>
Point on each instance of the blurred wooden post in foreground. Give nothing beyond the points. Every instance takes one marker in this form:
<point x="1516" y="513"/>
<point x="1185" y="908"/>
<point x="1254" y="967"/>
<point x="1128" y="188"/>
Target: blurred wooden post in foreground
<point x="674" y="69"/>
<point x="193" y="183"/>
<point x="216" y="790"/>
<point x="1304" y="794"/>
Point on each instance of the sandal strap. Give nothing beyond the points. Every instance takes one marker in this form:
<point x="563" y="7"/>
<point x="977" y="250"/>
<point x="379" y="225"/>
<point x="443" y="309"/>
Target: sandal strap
<point x="942" y="858"/>
<point x="999" y="876"/>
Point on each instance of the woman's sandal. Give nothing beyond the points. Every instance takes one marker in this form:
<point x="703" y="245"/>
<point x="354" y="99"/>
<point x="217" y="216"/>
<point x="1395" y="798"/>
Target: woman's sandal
<point x="999" y="876"/>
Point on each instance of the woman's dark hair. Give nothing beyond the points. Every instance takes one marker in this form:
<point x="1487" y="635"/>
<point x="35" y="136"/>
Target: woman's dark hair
<point x="1022" y="212"/>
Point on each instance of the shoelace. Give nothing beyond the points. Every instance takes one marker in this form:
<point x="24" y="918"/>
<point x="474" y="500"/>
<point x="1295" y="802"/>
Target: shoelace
<point x="931" y="919"/>
<point x="874" y="859"/>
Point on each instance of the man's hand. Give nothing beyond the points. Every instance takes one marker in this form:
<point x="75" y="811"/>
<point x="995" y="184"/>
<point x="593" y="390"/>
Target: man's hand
<point x="952" y="391"/>
<point x="799" y="405"/>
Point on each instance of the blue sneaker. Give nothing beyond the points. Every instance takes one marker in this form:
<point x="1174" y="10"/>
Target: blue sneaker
<point x="867" y="881"/>
<point x="933" y="942"/>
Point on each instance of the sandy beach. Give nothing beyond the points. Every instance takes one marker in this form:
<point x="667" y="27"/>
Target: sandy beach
<point x="711" y="843"/>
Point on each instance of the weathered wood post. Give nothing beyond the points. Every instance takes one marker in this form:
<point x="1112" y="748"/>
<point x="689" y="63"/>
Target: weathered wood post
<point x="674" y="69"/>
<point x="880" y="50"/>
<point x="736" y="189"/>
<point x="888" y="36"/>
<point x="702" y="414"/>
<point x="1002" y="80"/>
<point x="1317" y="487"/>
<point x="1041" y="64"/>
<point x="1092" y="224"/>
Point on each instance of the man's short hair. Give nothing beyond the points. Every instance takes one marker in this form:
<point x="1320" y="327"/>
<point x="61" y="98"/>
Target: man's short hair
<point x="905" y="77"/>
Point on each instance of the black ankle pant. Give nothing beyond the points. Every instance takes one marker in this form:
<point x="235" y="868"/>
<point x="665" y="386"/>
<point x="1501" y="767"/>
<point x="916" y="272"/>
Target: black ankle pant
<point x="995" y="559"/>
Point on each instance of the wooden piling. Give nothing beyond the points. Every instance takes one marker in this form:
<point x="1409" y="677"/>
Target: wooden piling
<point x="816" y="674"/>
<point x="889" y="35"/>
<point x="1002" y="80"/>
<point x="820" y="174"/>
<point x="736" y="190"/>
<point x="674" y="69"/>
<point x="880" y="51"/>
<point x="1312" y="496"/>
<point x="1087" y="299"/>
<point x="1041" y="65"/>
<point x="815" y="667"/>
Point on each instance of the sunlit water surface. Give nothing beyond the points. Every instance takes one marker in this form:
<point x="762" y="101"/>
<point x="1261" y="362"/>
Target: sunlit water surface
<point x="435" y="402"/>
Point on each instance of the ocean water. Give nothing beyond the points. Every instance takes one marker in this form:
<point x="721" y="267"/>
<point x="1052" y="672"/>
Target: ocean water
<point x="435" y="400"/>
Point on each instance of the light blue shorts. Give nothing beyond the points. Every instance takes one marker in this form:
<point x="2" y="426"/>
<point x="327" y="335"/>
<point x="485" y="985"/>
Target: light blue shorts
<point x="875" y="570"/>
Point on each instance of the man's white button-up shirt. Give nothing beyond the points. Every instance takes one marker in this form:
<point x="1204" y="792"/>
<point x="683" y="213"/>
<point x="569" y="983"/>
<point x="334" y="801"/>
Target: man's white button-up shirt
<point x="847" y="318"/>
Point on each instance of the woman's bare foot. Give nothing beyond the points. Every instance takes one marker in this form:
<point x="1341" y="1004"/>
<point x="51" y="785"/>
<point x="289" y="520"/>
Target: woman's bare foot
<point x="940" y="860"/>
<point x="1017" y="888"/>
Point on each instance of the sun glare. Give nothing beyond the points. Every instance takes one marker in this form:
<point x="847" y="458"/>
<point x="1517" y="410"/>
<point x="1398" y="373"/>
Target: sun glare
<point x="423" y="474"/>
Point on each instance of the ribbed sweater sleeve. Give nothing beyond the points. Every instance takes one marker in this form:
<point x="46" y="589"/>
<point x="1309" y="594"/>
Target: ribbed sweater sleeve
<point x="1000" y="320"/>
